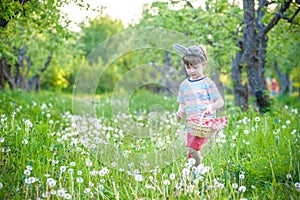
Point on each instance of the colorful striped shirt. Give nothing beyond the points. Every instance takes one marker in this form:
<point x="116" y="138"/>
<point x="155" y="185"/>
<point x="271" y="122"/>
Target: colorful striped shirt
<point x="195" y="95"/>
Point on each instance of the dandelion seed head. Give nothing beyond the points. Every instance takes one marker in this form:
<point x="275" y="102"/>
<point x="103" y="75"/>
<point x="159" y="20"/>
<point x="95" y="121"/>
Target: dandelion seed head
<point x="79" y="179"/>
<point x="192" y="161"/>
<point x="220" y="185"/>
<point x="235" y="185"/>
<point x="185" y="171"/>
<point x="27" y="181"/>
<point x="27" y="172"/>
<point x="25" y="141"/>
<point x="242" y="189"/>
<point x="70" y="171"/>
<point x="293" y="132"/>
<point x="87" y="190"/>
<point x="53" y="192"/>
<point x="113" y="164"/>
<point x="51" y="182"/>
<point x="138" y="177"/>
<point x="166" y="182"/>
<point x="288" y="176"/>
<point x="88" y="163"/>
<point x="172" y="176"/>
<point x="61" y="192"/>
<point x="28" y="123"/>
<point x="91" y="184"/>
<point x="45" y="194"/>
<point x="63" y="168"/>
<point x="67" y="196"/>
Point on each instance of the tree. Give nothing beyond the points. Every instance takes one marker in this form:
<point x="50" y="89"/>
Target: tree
<point x="91" y="36"/>
<point x="254" y="43"/>
<point x="217" y="25"/>
<point x="30" y="33"/>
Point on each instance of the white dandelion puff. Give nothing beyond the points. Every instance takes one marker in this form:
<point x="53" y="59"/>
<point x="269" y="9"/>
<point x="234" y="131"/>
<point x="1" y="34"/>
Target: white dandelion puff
<point x="27" y="172"/>
<point x="24" y="141"/>
<point x="242" y="188"/>
<point x="167" y="182"/>
<point x="172" y="176"/>
<point x="67" y="196"/>
<point x="192" y="161"/>
<point x="138" y="177"/>
<point x="235" y="185"/>
<point x="28" y="123"/>
<point x="79" y="180"/>
<point x="241" y="176"/>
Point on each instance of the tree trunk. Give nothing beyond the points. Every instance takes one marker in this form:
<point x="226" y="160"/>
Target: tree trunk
<point x="239" y="90"/>
<point x="35" y="80"/>
<point x="20" y="70"/>
<point x="253" y="58"/>
<point x="284" y="80"/>
<point x="7" y="73"/>
<point x="2" y="78"/>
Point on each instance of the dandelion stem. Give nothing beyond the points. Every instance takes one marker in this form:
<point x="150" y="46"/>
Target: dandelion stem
<point x="273" y="174"/>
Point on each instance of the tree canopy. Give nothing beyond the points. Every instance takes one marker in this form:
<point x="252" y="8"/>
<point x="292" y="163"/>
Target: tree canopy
<point x="38" y="48"/>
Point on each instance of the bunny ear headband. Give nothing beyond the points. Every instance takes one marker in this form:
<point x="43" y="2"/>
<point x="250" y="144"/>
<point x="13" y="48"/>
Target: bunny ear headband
<point x="191" y="51"/>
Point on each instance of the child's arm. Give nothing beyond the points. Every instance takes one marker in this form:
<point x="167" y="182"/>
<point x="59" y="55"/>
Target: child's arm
<point x="218" y="103"/>
<point x="180" y="111"/>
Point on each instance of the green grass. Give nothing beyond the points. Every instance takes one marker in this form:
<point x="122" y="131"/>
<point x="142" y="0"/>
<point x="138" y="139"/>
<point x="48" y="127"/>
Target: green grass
<point x="49" y="153"/>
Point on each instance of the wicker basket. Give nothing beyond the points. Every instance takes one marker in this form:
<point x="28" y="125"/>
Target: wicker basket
<point x="199" y="130"/>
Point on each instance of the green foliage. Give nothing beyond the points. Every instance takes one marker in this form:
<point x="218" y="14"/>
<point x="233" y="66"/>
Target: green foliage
<point x="40" y="30"/>
<point x="217" y="27"/>
<point x="97" y="31"/>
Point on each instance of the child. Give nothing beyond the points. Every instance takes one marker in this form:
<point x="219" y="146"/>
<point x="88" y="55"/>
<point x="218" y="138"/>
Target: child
<point x="197" y="95"/>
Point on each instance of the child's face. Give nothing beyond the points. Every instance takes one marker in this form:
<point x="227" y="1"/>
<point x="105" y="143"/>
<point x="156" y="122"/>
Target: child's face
<point x="195" y="71"/>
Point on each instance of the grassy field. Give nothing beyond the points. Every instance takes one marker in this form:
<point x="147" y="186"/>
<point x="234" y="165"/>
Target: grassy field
<point x="48" y="152"/>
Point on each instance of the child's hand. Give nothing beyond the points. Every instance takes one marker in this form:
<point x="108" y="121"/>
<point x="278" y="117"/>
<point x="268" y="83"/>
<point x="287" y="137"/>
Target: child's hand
<point x="208" y="109"/>
<point x="179" y="114"/>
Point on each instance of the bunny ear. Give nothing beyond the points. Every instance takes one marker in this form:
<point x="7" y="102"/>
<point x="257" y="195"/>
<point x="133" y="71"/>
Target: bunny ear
<point x="180" y="48"/>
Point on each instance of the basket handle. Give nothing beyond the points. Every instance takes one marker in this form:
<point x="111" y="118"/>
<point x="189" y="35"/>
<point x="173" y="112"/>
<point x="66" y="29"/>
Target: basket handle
<point x="198" y="121"/>
<point x="201" y="118"/>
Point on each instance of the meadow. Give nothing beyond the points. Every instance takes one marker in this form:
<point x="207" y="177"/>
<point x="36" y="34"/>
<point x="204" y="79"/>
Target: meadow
<point x="48" y="152"/>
